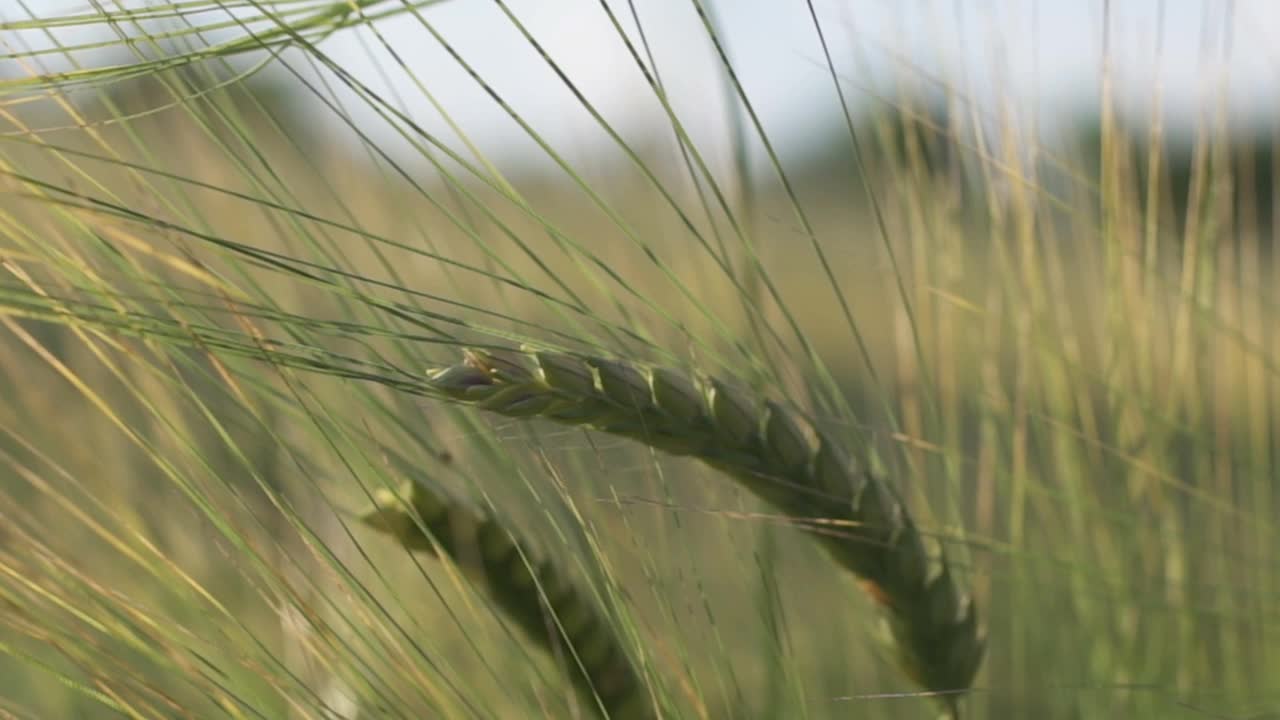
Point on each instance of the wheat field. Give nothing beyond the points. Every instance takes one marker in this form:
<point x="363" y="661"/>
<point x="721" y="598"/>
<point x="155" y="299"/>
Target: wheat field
<point x="317" y="407"/>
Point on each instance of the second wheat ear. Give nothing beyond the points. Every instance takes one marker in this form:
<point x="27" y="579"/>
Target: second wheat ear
<point x="770" y="450"/>
<point x="526" y="586"/>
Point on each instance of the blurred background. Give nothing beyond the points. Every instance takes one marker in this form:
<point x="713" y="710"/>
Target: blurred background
<point x="1041" y="62"/>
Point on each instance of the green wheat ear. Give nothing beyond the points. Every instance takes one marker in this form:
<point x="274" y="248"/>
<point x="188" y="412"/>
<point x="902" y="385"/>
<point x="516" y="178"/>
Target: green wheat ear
<point x="776" y="455"/>
<point x="528" y="590"/>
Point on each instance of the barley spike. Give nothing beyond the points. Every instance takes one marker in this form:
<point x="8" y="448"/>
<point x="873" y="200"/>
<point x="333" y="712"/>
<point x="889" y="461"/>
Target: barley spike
<point x="526" y="587"/>
<point x="774" y="453"/>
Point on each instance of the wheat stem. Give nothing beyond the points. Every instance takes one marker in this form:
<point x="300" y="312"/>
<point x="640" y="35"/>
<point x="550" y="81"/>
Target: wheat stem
<point x="776" y="455"/>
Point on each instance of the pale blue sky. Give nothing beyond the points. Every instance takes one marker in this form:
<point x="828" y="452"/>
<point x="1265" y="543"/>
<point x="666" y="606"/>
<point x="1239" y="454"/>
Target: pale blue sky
<point x="1040" y="54"/>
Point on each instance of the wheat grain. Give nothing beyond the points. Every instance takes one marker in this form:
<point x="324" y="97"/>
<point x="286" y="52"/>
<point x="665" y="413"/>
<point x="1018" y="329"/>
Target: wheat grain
<point x="528" y="589"/>
<point x="777" y="456"/>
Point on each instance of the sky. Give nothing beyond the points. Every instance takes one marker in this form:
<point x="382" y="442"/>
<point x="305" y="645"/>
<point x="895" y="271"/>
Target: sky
<point x="1041" y="57"/>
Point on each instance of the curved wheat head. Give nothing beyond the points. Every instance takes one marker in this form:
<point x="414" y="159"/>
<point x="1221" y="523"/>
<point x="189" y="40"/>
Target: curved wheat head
<point x="527" y="588"/>
<point x="772" y="452"/>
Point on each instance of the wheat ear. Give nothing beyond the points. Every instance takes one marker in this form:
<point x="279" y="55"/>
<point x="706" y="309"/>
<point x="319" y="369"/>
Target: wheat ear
<point x="772" y="452"/>
<point x="528" y="589"/>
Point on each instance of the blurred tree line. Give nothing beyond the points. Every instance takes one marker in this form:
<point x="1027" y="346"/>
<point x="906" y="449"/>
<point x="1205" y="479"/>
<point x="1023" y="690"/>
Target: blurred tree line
<point x="1226" y="173"/>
